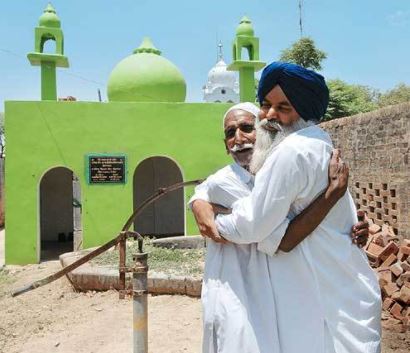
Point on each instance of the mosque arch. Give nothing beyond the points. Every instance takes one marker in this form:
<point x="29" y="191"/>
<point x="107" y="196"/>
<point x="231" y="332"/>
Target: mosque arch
<point x="246" y="53"/>
<point x="166" y="216"/>
<point x="48" y="43"/>
<point x="59" y="209"/>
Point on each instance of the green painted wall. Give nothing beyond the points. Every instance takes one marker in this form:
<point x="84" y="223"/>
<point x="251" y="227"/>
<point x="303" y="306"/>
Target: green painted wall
<point x="43" y="135"/>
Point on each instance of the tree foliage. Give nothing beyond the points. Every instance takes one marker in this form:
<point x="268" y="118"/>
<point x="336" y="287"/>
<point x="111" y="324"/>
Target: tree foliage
<point x="345" y="99"/>
<point x="304" y="53"/>
<point x="399" y="94"/>
<point x="349" y="99"/>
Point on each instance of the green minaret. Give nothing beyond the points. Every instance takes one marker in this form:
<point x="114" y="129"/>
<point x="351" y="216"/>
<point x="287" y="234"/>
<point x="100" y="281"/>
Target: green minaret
<point x="245" y="38"/>
<point x="49" y="27"/>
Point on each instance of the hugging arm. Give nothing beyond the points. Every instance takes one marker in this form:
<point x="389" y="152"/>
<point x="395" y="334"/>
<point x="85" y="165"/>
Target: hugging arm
<point x="307" y="221"/>
<point x="302" y="225"/>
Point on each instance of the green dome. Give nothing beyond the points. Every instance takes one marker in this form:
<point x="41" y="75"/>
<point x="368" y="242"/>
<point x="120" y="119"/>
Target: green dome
<point x="245" y="27"/>
<point x="146" y="76"/>
<point x="49" y="18"/>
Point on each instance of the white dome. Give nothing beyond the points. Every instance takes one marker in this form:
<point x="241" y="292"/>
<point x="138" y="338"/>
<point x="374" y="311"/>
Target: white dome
<point x="219" y="75"/>
<point x="222" y="85"/>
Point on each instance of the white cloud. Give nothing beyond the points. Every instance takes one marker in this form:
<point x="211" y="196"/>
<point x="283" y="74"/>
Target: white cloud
<point x="400" y="18"/>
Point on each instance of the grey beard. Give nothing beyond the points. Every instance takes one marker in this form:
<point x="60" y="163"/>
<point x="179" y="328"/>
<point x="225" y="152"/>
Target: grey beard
<point x="267" y="140"/>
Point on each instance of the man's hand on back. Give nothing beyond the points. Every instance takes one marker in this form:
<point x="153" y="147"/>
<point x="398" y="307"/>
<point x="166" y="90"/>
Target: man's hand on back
<point x="360" y="231"/>
<point x="338" y="181"/>
<point x="338" y="176"/>
<point x="204" y="213"/>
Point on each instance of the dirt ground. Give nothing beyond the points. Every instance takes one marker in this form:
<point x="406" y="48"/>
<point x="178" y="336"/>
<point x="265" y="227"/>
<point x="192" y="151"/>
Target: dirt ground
<point x="56" y="319"/>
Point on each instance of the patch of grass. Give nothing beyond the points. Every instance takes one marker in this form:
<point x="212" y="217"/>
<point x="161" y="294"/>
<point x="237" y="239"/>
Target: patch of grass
<point x="170" y="261"/>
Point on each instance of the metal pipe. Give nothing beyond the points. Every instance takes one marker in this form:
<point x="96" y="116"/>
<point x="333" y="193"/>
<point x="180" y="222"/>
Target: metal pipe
<point x="122" y="268"/>
<point x="160" y="193"/>
<point x="140" y="303"/>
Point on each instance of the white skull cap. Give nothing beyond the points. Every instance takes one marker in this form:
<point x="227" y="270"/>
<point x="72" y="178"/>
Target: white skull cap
<point x="246" y="106"/>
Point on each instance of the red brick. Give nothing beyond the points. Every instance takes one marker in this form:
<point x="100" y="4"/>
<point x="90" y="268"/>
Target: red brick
<point x="405" y="250"/>
<point x="395" y="296"/>
<point x="401" y="256"/>
<point x="405" y="295"/>
<point x="405" y="276"/>
<point x="379" y="239"/>
<point x="384" y="192"/>
<point x="385" y="274"/>
<point x="369" y="241"/>
<point x="374" y="250"/>
<point x="390" y="288"/>
<point x="387" y="231"/>
<point x="389" y="261"/>
<point x="374" y="228"/>
<point x="389" y="249"/>
<point x="396" y="269"/>
<point x="405" y="266"/>
<point x="387" y="303"/>
<point x="396" y="311"/>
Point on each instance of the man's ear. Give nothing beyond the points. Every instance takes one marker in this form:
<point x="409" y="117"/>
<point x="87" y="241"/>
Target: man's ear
<point x="226" y="147"/>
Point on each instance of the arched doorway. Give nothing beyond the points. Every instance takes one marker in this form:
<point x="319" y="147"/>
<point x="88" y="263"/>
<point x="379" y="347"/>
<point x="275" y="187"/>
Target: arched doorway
<point x="165" y="217"/>
<point x="60" y="213"/>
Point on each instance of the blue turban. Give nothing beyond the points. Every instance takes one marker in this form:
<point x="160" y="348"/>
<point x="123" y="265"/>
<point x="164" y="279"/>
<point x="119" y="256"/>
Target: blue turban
<point x="305" y="89"/>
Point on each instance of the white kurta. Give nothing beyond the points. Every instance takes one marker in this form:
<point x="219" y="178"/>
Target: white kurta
<point x="238" y="305"/>
<point x="327" y="296"/>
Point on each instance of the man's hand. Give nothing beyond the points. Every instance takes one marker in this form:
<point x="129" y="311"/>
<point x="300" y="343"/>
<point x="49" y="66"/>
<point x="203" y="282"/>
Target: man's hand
<point x="360" y="231"/>
<point x="338" y="176"/>
<point x="218" y="209"/>
<point x="205" y="219"/>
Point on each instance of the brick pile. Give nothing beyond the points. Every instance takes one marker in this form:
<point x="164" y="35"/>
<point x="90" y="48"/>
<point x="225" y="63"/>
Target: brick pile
<point x="391" y="260"/>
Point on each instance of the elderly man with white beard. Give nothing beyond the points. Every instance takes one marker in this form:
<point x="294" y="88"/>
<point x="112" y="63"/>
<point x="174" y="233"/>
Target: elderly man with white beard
<point x="327" y="297"/>
<point x="239" y="305"/>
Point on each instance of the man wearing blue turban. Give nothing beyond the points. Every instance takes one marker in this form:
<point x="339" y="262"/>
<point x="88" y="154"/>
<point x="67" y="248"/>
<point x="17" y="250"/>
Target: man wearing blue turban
<point x="305" y="89"/>
<point x="327" y="296"/>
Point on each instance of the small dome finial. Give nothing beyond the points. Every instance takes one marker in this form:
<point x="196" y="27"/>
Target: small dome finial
<point x="220" y="51"/>
<point x="245" y="27"/>
<point x="49" y="18"/>
<point x="147" y="46"/>
<point x="50" y="8"/>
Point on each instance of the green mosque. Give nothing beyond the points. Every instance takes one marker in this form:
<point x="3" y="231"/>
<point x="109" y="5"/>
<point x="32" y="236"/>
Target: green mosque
<point x="75" y="171"/>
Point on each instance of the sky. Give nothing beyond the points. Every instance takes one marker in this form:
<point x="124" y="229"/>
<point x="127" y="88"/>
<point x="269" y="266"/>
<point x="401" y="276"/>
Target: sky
<point x="366" y="41"/>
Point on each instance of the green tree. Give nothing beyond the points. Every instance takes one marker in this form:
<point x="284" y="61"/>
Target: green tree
<point x="348" y="99"/>
<point x="304" y="53"/>
<point x="399" y="94"/>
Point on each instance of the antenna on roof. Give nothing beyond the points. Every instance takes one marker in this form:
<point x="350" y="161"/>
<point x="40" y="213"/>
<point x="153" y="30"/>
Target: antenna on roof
<point x="300" y="18"/>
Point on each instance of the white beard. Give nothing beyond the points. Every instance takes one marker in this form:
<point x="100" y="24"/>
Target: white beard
<point x="267" y="140"/>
